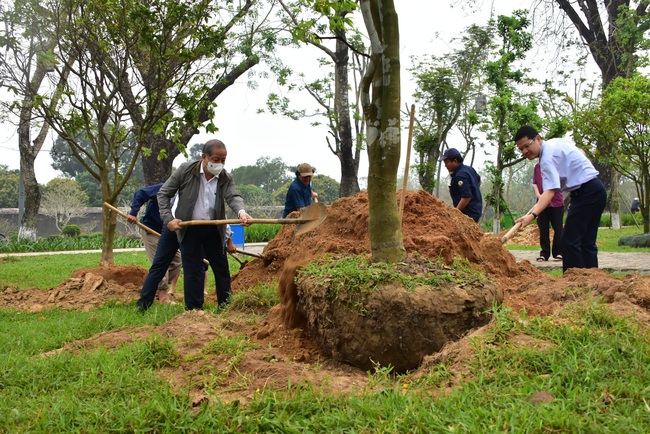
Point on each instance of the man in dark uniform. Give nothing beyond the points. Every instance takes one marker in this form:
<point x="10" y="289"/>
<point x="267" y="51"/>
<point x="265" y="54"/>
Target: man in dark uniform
<point x="465" y="185"/>
<point x="300" y="193"/>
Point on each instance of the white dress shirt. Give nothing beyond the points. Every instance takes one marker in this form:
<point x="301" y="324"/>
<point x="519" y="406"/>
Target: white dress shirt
<point x="204" y="207"/>
<point x="564" y="166"/>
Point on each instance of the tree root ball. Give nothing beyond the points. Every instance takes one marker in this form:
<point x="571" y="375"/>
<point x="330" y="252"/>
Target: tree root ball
<point x="393" y="323"/>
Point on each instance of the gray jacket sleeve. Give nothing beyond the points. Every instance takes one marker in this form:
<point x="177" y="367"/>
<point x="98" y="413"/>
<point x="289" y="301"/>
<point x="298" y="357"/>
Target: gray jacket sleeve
<point x="233" y="198"/>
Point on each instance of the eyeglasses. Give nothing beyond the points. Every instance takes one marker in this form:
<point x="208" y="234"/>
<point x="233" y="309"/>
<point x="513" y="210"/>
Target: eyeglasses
<point x="526" y="146"/>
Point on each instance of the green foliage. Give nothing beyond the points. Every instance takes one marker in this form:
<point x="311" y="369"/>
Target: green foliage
<point x="266" y="173"/>
<point x="254" y="195"/>
<point x="509" y="106"/>
<point x="9" y="180"/>
<point x="91" y="187"/>
<point x="71" y="230"/>
<point x="623" y="118"/>
<point x="446" y="88"/>
<point x="57" y="243"/>
<point x="326" y="187"/>
<point x="261" y="233"/>
<point x="64" y="160"/>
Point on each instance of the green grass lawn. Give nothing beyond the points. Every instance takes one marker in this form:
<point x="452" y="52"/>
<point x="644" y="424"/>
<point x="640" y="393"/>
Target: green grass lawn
<point x="50" y="270"/>
<point x="594" y="364"/>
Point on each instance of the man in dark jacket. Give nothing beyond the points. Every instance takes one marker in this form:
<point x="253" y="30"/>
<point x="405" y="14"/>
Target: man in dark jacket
<point x="300" y="193"/>
<point x="465" y="185"/>
<point x="203" y="188"/>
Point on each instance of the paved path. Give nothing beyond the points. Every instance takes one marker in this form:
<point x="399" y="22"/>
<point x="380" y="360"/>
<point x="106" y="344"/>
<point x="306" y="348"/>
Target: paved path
<point x="633" y="262"/>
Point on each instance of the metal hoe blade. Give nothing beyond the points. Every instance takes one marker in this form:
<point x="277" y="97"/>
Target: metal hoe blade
<point x="315" y="213"/>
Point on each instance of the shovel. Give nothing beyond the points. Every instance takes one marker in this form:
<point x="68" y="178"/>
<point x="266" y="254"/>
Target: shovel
<point x="255" y="255"/>
<point x="143" y="226"/>
<point x="513" y="230"/>
<point x="242" y="264"/>
<point x="310" y="218"/>
<point x="510" y="233"/>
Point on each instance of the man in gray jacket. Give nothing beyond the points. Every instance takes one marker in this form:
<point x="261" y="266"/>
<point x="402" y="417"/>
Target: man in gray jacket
<point x="203" y="187"/>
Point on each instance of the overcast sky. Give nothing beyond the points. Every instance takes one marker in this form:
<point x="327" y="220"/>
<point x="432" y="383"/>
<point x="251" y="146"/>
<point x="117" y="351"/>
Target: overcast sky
<point x="426" y="27"/>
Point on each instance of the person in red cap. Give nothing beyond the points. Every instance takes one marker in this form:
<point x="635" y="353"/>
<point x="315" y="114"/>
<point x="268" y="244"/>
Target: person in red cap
<point x="300" y="193"/>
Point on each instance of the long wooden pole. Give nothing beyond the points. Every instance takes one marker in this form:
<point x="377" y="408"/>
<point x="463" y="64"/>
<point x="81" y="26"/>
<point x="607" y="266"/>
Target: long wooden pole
<point x="406" y="166"/>
<point x="514" y="229"/>
<point x="143" y="226"/>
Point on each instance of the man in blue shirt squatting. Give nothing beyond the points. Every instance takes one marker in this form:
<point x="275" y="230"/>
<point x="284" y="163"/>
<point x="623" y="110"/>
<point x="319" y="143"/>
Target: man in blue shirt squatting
<point x="300" y="193"/>
<point x="168" y="277"/>
<point x="465" y="185"/>
<point x="567" y="168"/>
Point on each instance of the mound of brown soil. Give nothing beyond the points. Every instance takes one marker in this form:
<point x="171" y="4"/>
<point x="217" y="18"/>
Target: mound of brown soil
<point x="124" y="275"/>
<point x="528" y="236"/>
<point x="429" y="226"/>
<point x="396" y="324"/>
<point x="87" y="288"/>
<point x="274" y="358"/>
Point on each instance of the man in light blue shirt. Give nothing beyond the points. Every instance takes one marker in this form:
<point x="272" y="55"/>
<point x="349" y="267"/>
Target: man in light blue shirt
<point x="567" y="168"/>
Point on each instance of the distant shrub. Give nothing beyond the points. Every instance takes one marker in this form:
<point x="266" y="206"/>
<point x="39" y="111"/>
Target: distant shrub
<point x="13" y="235"/>
<point x="71" y="230"/>
<point x="261" y="233"/>
<point x="626" y="220"/>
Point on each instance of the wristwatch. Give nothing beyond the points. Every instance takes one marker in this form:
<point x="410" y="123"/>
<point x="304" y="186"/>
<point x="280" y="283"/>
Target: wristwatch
<point x="534" y="215"/>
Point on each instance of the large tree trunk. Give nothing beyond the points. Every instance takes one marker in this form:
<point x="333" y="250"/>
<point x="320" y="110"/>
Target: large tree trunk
<point x="381" y="106"/>
<point x="29" y="221"/>
<point x="28" y="152"/>
<point x="158" y="170"/>
<point x="108" y="229"/>
<point x="349" y="165"/>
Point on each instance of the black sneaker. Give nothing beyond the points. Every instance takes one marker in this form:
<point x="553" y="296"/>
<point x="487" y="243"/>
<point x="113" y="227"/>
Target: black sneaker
<point x="141" y="307"/>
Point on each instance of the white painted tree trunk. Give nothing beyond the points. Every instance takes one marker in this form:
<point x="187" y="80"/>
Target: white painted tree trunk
<point x="616" y="220"/>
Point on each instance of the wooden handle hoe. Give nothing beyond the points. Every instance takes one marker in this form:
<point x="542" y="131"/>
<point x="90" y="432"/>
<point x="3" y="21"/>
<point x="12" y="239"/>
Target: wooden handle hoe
<point x="510" y="233"/>
<point x="513" y="230"/>
<point x="310" y="217"/>
<point x="145" y="227"/>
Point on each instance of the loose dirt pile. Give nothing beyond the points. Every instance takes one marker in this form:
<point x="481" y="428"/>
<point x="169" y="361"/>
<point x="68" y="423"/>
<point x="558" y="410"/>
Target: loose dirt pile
<point x="430" y="227"/>
<point x="284" y="356"/>
<point x="528" y="236"/>
<point x="87" y="288"/>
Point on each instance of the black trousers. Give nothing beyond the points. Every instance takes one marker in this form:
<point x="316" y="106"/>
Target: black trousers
<point x="551" y="216"/>
<point x="199" y="241"/>
<point x="167" y="248"/>
<point x="581" y="227"/>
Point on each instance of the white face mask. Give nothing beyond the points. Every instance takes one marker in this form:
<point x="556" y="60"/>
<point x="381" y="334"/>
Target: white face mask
<point x="215" y="168"/>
